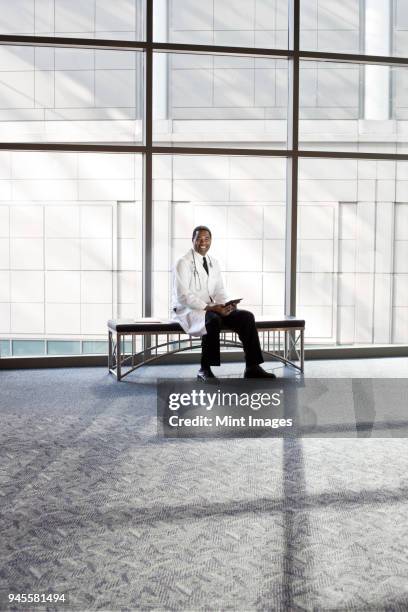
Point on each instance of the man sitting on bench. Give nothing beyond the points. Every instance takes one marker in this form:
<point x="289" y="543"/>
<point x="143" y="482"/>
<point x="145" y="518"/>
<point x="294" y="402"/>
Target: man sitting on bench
<point x="200" y="306"/>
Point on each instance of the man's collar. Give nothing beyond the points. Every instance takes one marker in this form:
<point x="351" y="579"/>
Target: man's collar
<point x="200" y="257"/>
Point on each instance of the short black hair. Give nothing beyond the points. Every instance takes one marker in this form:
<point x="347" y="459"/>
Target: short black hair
<point x="201" y="228"/>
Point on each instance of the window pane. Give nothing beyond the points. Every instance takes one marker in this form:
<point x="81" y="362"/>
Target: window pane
<point x="220" y="100"/>
<point x="63" y="347"/>
<point x="70" y="243"/>
<point x="28" y="348"/>
<point x="74" y="18"/>
<point x="352" y="280"/>
<point x="243" y="23"/>
<point x="353" y="107"/>
<point x="70" y="95"/>
<point x="94" y="348"/>
<point x="372" y="27"/>
<point x="4" y="348"/>
<point x="242" y="200"/>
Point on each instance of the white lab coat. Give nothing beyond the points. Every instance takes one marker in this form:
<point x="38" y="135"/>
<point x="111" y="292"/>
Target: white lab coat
<point x="193" y="289"/>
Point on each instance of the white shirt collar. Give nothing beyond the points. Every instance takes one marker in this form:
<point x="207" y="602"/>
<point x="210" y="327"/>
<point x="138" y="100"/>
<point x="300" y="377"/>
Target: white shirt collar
<point x="200" y="258"/>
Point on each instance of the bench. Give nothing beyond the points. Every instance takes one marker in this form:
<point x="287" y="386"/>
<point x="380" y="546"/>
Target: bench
<point x="135" y="343"/>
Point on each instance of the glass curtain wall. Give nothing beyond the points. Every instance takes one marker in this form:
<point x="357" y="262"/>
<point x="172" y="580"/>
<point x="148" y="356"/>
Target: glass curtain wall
<point x="281" y="124"/>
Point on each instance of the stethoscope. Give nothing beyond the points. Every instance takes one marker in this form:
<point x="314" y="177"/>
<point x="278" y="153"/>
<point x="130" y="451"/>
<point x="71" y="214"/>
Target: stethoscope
<point x="197" y="279"/>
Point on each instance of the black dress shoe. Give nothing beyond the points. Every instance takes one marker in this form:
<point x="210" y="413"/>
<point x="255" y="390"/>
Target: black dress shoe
<point x="257" y="372"/>
<point x="206" y="375"/>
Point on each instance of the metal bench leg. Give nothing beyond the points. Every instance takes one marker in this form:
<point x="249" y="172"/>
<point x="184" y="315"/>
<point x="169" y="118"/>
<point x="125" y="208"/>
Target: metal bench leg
<point x="110" y="360"/>
<point x="118" y="356"/>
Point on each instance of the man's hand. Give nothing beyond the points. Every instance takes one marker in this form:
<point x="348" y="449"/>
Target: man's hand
<point x="221" y="309"/>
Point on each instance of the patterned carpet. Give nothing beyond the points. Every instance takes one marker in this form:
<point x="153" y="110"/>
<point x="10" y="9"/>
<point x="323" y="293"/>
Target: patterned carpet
<point x="94" y="505"/>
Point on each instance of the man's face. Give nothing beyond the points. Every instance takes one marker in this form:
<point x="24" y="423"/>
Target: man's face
<point x="202" y="242"/>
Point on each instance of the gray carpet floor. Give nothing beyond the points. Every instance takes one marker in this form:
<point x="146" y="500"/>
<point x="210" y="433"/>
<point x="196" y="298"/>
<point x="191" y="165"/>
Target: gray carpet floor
<point x="94" y="505"/>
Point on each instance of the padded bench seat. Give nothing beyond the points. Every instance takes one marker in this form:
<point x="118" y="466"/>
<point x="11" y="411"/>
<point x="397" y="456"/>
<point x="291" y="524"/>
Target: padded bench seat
<point x="282" y="338"/>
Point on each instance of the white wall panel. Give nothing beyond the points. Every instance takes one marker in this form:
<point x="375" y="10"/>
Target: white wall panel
<point x="400" y="317"/>
<point x="62" y="254"/>
<point x="346" y="289"/>
<point x="96" y="287"/>
<point x="183" y="220"/>
<point x="192" y="15"/>
<point x="115" y="88"/>
<point x="26" y="222"/>
<point x="244" y="285"/>
<point x="239" y="38"/>
<point x="347" y="255"/>
<point x="62" y="319"/>
<point x="106" y="166"/>
<point x="5" y="190"/>
<point x="17" y="90"/>
<point x="17" y="17"/>
<point x="34" y="190"/>
<point x="44" y="165"/>
<point x="63" y="287"/>
<point x="5" y="320"/>
<point x="326" y="191"/>
<point x="61" y="221"/>
<point x="315" y="255"/>
<point x="244" y="255"/>
<point x="274" y="255"/>
<point x="129" y="287"/>
<point x="130" y="220"/>
<point x="96" y="221"/>
<point x="316" y="222"/>
<point x="4" y="222"/>
<point x="27" y="286"/>
<point x="130" y="256"/>
<point x="74" y="16"/>
<point x="384" y="244"/>
<point x="4" y="253"/>
<point x="121" y="19"/>
<point x="252" y="168"/>
<point x="27" y="318"/>
<point x="346" y="325"/>
<point x="233" y="87"/>
<point x="318" y="321"/>
<point x="258" y="191"/>
<point x="401" y="221"/>
<point x="316" y="289"/>
<point x="199" y="167"/>
<point x="274" y="222"/>
<point x="245" y="221"/>
<point x="338" y="16"/>
<point x="366" y="190"/>
<point x="208" y="190"/>
<point x="4" y="286"/>
<point x="100" y="190"/>
<point x="401" y="256"/>
<point x="44" y="17"/>
<point x="214" y="217"/>
<point x="74" y="88"/>
<point x="234" y="15"/>
<point x="273" y="290"/>
<point x="94" y="317"/>
<point x="382" y="308"/>
<point x="5" y="165"/>
<point x="96" y="254"/>
<point x="401" y="290"/>
<point x="365" y="242"/>
<point x="191" y="88"/>
<point x="364" y="308"/>
<point x="26" y="254"/>
<point x="328" y="169"/>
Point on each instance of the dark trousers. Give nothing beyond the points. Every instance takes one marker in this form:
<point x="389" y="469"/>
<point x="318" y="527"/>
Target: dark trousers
<point x="240" y="321"/>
